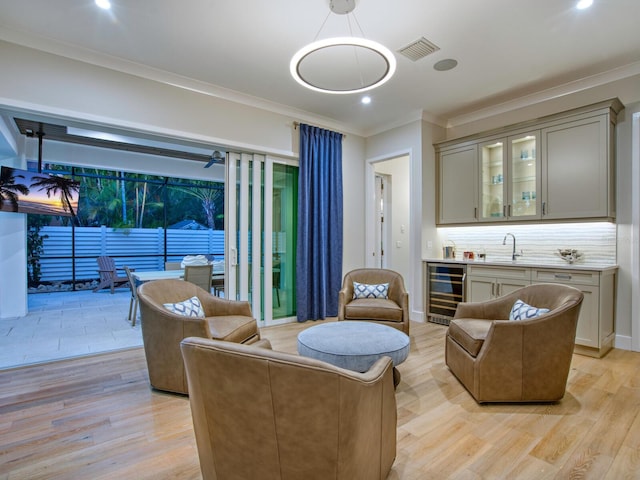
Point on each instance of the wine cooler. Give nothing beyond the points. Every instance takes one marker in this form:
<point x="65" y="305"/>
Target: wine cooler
<point x="445" y="289"/>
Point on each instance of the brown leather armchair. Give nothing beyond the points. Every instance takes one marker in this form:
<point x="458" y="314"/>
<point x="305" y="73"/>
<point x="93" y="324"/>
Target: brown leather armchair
<point x="258" y="413"/>
<point x="499" y="360"/>
<point x="393" y="311"/>
<point x="163" y="330"/>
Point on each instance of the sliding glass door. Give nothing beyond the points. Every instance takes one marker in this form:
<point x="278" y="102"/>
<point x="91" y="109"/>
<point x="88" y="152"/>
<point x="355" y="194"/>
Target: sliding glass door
<point x="261" y="226"/>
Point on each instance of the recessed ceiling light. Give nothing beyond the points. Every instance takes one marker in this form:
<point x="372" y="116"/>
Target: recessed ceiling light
<point x="366" y="100"/>
<point x="104" y="4"/>
<point x="446" y="64"/>
<point x="582" y="4"/>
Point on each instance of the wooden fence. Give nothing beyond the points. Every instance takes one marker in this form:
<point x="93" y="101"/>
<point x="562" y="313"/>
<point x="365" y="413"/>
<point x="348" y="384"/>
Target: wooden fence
<point x="139" y="248"/>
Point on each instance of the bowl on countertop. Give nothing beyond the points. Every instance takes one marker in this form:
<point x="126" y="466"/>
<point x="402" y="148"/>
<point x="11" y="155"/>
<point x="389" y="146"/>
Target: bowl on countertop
<point x="570" y="255"/>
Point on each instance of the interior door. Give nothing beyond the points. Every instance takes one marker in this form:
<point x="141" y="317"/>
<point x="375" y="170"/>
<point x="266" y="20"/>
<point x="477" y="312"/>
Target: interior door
<point x="380" y="204"/>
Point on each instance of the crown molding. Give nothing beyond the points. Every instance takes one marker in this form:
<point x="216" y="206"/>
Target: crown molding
<point x="569" y="88"/>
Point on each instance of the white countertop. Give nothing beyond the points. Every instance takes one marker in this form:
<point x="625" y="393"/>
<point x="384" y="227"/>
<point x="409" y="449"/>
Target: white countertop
<point x="530" y="263"/>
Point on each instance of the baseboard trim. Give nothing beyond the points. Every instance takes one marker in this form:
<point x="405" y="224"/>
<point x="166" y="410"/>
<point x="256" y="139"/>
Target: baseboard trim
<point x="622" y="342"/>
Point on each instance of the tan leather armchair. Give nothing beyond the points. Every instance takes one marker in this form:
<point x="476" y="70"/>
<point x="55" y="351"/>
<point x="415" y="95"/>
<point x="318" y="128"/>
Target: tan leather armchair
<point x="262" y="414"/>
<point x="499" y="360"/>
<point x="163" y="330"/>
<point x="393" y="311"/>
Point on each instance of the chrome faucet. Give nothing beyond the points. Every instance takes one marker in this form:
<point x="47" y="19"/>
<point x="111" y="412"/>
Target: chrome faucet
<point x="504" y="242"/>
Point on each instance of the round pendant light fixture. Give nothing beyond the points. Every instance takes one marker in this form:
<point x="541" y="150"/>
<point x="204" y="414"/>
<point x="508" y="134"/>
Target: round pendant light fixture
<point x="342" y="65"/>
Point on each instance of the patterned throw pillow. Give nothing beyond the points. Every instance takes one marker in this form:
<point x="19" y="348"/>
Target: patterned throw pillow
<point x="522" y="311"/>
<point x="363" y="290"/>
<point x="189" y="308"/>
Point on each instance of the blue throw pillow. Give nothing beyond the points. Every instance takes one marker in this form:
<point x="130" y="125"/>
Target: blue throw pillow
<point x="364" y="290"/>
<point x="522" y="311"/>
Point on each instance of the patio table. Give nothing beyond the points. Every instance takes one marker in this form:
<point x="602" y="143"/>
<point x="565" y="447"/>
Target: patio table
<point x="146" y="276"/>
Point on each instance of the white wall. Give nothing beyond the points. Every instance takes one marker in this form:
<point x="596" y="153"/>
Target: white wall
<point x="628" y="228"/>
<point x="416" y="141"/>
<point x="13" y="252"/>
<point x="353" y="186"/>
<point x="51" y="86"/>
<point x="13" y="265"/>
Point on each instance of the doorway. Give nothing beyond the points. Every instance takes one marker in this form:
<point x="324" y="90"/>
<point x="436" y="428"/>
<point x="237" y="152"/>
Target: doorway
<point x="391" y="212"/>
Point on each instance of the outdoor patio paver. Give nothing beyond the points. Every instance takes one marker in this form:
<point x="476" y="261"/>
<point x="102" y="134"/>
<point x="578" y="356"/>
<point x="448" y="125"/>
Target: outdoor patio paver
<point x="68" y="324"/>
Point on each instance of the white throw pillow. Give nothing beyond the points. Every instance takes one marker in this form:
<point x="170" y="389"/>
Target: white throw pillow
<point x="188" y="308"/>
<point x="522" y="311"/>
<point x="364" y="290"/>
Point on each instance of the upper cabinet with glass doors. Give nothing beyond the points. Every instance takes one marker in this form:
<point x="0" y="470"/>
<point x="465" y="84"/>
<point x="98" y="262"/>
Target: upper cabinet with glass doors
<point x="510" y="178"/>
<point x="560" y="167"/>
<point x="492" y="181"/>
<point x="524" y="177"/>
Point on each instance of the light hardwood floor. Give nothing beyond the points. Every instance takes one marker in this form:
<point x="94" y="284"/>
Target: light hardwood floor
<point x="96" y="418"/>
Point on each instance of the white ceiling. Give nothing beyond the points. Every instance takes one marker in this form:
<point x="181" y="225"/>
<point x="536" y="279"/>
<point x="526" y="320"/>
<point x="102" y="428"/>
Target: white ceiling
<point x="505" y="48"/>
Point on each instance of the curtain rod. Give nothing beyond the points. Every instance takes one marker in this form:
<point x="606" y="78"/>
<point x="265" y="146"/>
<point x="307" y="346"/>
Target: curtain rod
<point x="295" y="126"/>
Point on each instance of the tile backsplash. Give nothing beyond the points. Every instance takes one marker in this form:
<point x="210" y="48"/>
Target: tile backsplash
<point x="539" y="243"/>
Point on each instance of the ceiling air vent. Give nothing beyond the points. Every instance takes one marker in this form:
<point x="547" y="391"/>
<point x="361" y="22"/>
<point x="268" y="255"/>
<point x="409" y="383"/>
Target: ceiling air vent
<point x="418" y="49"/>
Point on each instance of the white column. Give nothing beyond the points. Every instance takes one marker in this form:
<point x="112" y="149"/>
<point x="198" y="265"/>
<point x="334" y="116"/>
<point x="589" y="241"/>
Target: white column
<point x="13" y="265"/>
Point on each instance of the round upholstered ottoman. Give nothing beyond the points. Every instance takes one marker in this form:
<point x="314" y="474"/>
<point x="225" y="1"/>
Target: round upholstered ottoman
<point x="354" y="345"/>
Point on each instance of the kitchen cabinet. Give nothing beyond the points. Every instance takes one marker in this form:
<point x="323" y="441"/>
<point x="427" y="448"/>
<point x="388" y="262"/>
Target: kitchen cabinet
<point x="447" y="284"/>
<point x="486" y="282"/>
<point x="595" y="333"/>
<point x="510" y="178"/>
<point x="457" y="174"/>
<point x="560" y="167"/>
<point x="578" y="176"/>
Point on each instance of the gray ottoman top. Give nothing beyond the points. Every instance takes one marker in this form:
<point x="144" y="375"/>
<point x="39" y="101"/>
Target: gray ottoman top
<point x="353" y="345"/>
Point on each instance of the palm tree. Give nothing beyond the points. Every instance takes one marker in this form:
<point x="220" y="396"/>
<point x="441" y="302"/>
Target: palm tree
<point x="65" y="186"/>
<point x="9" y="189"/>
<point x="208" y="197"/>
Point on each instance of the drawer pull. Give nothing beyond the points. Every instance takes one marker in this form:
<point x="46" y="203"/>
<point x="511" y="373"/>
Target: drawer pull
<point x="563" y="276"/>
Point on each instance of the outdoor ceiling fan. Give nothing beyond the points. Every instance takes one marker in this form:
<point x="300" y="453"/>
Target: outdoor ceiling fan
<point x="216" y="158"/>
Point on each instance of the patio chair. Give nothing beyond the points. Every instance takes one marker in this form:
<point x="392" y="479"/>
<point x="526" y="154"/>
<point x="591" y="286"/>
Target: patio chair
<point x="109" y="275"/>
<point x="133" y="302"/>
<point x="199" y="275"/>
